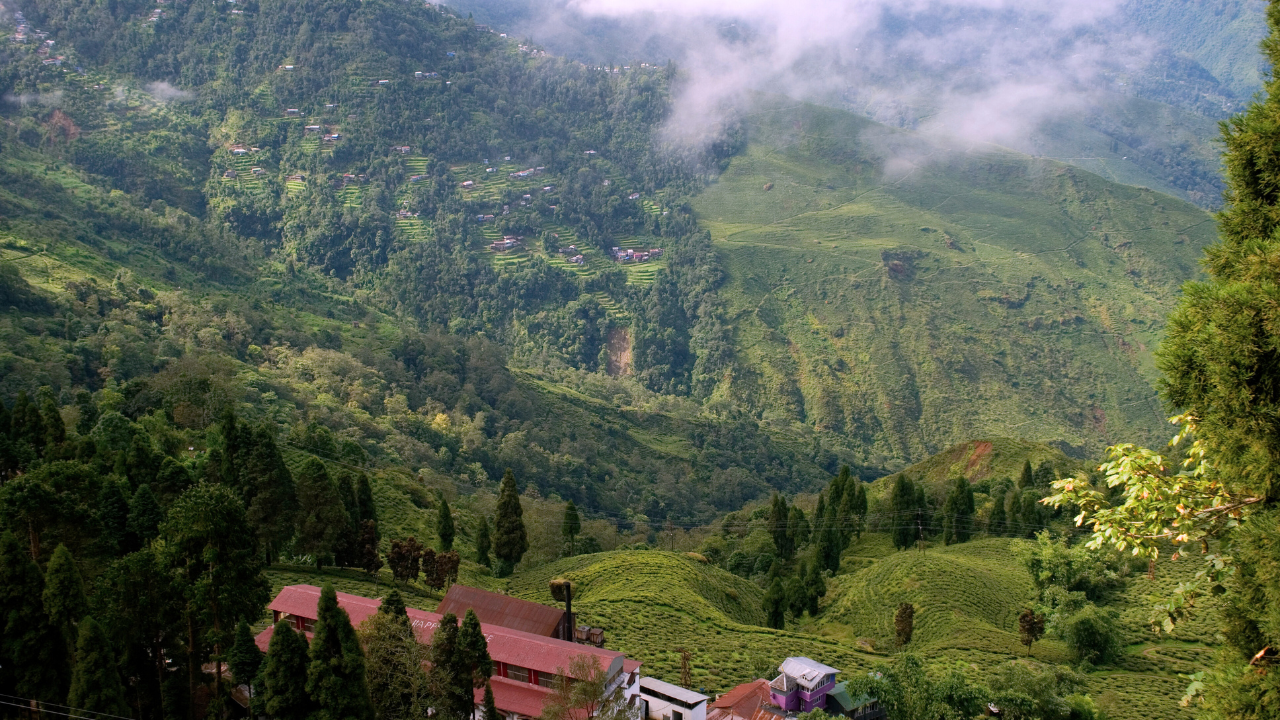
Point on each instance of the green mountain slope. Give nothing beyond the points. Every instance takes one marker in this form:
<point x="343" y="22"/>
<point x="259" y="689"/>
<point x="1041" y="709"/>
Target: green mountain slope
<point x="990" y="459"/>
<point x="910" y="297"/>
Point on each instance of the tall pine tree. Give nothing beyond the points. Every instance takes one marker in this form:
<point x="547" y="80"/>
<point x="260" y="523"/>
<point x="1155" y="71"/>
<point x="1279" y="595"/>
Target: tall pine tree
<point x="244" y="658"/>
<point x="284" y="676"/>
<point x="95" y="683"/>
<point x="903" y="512"/>
<point x="510" y="541"/>
<point x="449" y="678"/>
<point x="997" y="521"/>
<point x="444" y="524"/>
<point x="957" y="513"/>
<point x="570" y="526"/>
<point x="33" y="657"/>
<point x="482" y="543"/>
<point x="322" y="518"/>
<point x="64" y="599"/>
<point x="336" y="671"/>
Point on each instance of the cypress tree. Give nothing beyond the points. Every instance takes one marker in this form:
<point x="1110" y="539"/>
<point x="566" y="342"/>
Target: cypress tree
<point x="95" y="682"/>
<point x="490" y="707"/>
<point x="449" y="680"/>
<point x="336" y="671"/>
<point x="271" y="493"/>
<point x="832" y="539"/>
<point x="839" y="486"/>
<point x="347" y="549"/>
<point x="997" y="522"/>
<point x="816" y="585"/>
<point x="321" y="516"/>
<point x="797" y="528"/>
<point x="284" y="677"/>
<point x="849" y="517"/>
<point x="64" y="599"/>
<point x="957" y="513"/>
<point x="482" y="543"/>
<point x="145" y="516"/>
<point x="903" y="510"/>
<point x="26" y="425"/>
<point x="444" y="524"/>
<point x="474" y="652"/>
<point x="364" y="498"/>
<point x="244" y="658"/>
<point x="393" y="604"/>
<point x="923" y="517"/>
<point x="1027" y="478"/>
<point x="113" y="515"/>
<point x="570" y="526"/>
<point x="33" y="657"/>
<point x="141" y="463"/>
<point x="778" y="527"/>
<point x="1030" y="516"/>
<point x="510" y="540"/>
<point x="55" y="430"/>
<point x="775" y="605"/>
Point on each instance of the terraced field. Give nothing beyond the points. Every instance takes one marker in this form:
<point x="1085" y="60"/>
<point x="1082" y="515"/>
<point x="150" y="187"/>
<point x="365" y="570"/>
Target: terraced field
<point x="651" y="602"/>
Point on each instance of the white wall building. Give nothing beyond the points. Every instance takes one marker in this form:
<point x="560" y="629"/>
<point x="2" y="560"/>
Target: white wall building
<point x="664" y="701"/>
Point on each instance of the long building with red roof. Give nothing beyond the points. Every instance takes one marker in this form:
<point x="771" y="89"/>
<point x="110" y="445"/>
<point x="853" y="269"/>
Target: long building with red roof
<point x="526" y="665"/>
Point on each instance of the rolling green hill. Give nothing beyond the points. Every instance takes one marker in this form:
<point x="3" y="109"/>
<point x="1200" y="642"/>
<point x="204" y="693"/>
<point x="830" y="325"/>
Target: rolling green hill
<point x="977" y="460"/>
<point x="911" y="297"/>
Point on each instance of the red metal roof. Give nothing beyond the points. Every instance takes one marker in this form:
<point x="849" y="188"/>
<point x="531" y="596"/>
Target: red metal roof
<point x="748" y="701"/>
<point x="506" y="645"/>
<point x="495" y="609"/>
<point x="512" y="696"/>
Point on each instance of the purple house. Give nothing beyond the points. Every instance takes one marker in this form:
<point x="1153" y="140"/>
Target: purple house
<point x="803" y="685"/>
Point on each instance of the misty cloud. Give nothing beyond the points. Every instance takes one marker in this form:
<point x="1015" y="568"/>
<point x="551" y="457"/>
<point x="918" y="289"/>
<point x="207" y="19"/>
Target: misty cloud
<point x="49" y="99"/>
<point x="164" y="92"/>
<point x="974" y="71"/>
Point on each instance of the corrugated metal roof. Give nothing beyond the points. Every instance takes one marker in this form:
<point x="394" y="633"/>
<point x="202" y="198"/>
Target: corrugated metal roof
<point x="495" y="609"/>
<point x="514" y="647"/>
<point x="675" y="691"/>
<point x="515" y="697"/>
<point x="809" y="672"/>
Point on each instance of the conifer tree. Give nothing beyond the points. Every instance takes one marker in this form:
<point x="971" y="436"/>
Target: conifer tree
<point x="270" y="491"/>
<point x="510" y="541"/>
<point x="957" y="513"/>
<point x="996" y="522"/>
<point x="145" y="516"/>
<point x="95" y="683"/>
<point x="490" y="707"/>
<point x="64" y="598"/>
<point x="838" y="487"/>
<point x="903" y="509"/>
<point x="444" y="524"/>
<point x="33" y="654"/>
<point x="449" y="680"/>
<point x="55" y="430"/>
<point x="830" y="547"/>
<point x="284" y="676"/>
<point x="775" y="605"/>
<point x="1030" y="515"/>
<point x="370" y="559"/>
<point x="778" y="514"/>
<point x="859" y="507"/>
<point x="850" y="519"/>
<point x="1027" y="478"/>
<point x="473" y="651"/>
<point x="244" y="658"/>
<point x="336" y="668"/>
<point x="394" y="665"/>
<point x="364" y="498"/>
<point x="482" y="543"/>
<point x="113" y="515"/>
<point x="816" y="586"/>
<point x="322" y="519"/>
<point x="797" y="528"/>
<point x="393" y="604"/>
<point x="141" y="463"/>
<point x="570" y="526"/>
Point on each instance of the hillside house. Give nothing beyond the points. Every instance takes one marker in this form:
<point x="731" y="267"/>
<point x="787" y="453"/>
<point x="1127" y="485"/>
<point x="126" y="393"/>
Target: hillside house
<point x="311" y="129"/>
<point x="663" y="701"/>
<point x="505" y="244"/>
<point x="383" y="82"/>
<point x="292" y="112"/>
<point x="335" y="137"/>
<point x="402" y="149"/>
<point x="525" y="665"/>
<point x="578" y="260"/>
<point x="257" y="171"/>
<point x="802" y="685"/>
<point x="298" y="178"/>
<point x="417" y="178"/>
<point x="238" y="150"/>
<point x="748" y="701"/>
<point x="330" y="106"/>
<point x="469" y="184"/>
<point x="230" y="174"/>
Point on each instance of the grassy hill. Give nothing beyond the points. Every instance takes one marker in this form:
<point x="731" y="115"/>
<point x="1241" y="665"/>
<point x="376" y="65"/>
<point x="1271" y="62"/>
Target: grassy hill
<point x="651" y="602"/>
<point x="911" y="297"/>
<point x="978" y="460"/>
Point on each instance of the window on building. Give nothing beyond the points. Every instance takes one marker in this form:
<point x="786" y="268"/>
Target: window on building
<point x="547" y="680"/>
<point x="517" y="673"/>
<point x="677" y="715"/>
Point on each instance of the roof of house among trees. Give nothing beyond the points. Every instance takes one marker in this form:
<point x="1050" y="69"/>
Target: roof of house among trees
<point x="495" y="609"/>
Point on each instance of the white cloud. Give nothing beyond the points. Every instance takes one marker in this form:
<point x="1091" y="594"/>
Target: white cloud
<point x="973" y="70"/>
<point x="164" y="92"/>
